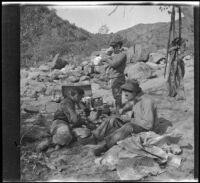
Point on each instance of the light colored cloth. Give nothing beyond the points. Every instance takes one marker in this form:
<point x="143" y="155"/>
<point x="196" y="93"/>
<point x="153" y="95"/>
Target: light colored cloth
<point x="144" y="146"/>
<point x="145" y="113"/>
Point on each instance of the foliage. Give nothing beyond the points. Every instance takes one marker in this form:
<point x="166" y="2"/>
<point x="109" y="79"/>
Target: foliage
<point x="104" y="29"/>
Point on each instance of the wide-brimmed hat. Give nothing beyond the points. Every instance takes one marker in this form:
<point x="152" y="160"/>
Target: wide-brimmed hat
<point x="115" y="43"/>
<point x="132" y="86"/>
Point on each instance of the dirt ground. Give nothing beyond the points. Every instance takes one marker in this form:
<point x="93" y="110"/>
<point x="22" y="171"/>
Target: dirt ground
<point x="76" y="163"/>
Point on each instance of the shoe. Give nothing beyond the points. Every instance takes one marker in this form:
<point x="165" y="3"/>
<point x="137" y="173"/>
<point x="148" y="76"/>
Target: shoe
<point x="88" y="140"/>
<point x="99" y="150"/>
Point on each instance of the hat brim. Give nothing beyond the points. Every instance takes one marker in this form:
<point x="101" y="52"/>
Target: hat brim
<point x="126" y="87"/>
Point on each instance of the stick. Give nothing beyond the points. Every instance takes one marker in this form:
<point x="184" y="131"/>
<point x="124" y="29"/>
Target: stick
<point x="170" y="29"/>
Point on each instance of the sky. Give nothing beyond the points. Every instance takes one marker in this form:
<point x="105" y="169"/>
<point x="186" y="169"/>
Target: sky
<point x="91" y="18"/>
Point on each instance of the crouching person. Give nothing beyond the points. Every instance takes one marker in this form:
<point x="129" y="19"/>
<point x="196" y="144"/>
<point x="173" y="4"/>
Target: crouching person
<point x="139" y="114"/>
<point x="67" y="117"/>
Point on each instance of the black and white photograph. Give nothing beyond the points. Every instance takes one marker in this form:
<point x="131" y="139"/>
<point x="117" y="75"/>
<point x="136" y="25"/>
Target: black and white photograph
<point x="107" y="92"/>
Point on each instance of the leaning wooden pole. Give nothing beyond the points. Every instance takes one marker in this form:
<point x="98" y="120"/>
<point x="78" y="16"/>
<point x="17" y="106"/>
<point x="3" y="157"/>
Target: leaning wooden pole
<point x="170" y="30"/>
<point x="180" y="22"/>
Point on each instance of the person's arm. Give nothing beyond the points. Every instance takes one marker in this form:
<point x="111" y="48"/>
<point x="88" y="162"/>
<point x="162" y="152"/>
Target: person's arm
<point x="117" y="60"/>
<point x="69" y="110"/>
<point x="127" y="107"/>
<point x="145" y="116"/>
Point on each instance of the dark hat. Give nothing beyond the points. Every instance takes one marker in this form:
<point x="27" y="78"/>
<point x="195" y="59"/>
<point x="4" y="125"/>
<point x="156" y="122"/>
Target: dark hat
<point x="131" y="85"/>
<point x="115" y="43"/>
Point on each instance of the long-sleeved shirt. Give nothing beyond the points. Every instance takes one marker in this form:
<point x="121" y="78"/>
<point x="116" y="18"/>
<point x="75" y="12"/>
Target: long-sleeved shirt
<point x="143" y="113"/>
<point x="117" y="64"/>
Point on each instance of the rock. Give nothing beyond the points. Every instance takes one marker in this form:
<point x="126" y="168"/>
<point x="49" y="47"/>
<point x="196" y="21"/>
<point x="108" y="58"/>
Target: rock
<point x="59" y="64"/>
<point x="156" y="58"/>
<point x="51" y="89"/>
<point x="100" y="69"/>
<point x="31" y="133"/>
<point x="187" y="58"/>
<point x="139" y="71"/>
<point x="82" y="132"/>
<point x="96" y="60"/>
<point x="77" y="73"/>
<point x="88" y="69"/>
<point x="61" y="133"/>
<point x="55" y="74"/>
<point x="44" y="68"/>
<point x="84" y="78"/>
<point x="31" y="109"/>
<point x="84" y="63"/>
<point x="24" y="74"/>
<point x="33" y="75"/>
<point x="95" y="53"/>
<point x="42" y="78"/>
<point x="73" y="79"/>
<point x="43" y="145"/>
<point x="162" y="51"/>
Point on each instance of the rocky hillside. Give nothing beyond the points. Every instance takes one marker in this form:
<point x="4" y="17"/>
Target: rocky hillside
<point x="44" y="34"/>
<point x="155" y="36"/>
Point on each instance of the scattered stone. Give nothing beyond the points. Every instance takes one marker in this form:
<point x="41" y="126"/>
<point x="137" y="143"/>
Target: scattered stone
<point x="156" y="58"/>
<point x="43" y="145"/>
<point x="31" y="109"/>
<point x="81" y="132"/>
<point x="84" y="78"/>
<point x="73" y="79"/>
<point x="24" y="74"/>
<point x="44" y="68"/>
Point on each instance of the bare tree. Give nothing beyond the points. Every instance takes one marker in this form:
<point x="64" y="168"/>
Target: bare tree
<point x="104" y="29"/>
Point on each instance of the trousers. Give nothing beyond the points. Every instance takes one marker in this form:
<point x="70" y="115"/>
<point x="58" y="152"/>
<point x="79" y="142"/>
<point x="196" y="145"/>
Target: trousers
<point x="115" y="129"/>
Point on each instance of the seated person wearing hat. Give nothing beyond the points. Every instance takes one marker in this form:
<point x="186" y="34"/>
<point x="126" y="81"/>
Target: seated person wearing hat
<point x="139" y="114"/>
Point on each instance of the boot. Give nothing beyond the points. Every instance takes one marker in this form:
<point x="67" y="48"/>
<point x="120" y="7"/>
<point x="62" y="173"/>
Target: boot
<point x="99" y="150"/>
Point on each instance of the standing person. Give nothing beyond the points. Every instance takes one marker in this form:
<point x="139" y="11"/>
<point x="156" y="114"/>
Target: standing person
<point x="139" y="114"/>
<point x="117" y="64"/>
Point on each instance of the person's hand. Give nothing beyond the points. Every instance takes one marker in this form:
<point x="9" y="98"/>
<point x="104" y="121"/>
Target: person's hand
<point x="120" y="111"/>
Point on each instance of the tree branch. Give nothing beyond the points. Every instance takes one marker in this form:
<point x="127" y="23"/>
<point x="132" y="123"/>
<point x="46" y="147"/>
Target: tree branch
<point x="113" y="11"/>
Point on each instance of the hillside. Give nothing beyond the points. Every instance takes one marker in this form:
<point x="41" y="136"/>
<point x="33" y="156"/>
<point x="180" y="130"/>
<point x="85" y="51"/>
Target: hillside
<point x="155" y="36"/>
<point x="44" y="34"/>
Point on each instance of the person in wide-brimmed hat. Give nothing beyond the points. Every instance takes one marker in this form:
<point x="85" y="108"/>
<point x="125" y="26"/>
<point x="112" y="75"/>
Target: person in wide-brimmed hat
<point x="116" y="61"/>
<point x="139" y="114"/>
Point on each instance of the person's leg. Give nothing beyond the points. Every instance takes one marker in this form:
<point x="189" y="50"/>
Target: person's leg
<point x="107" y="127"/>
<point x="117" y="92"/>
<point x="119" y="134"/>
<point x="122" y="133"/>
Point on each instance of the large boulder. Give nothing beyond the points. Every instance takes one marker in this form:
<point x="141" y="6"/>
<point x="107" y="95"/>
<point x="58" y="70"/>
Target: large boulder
<point x="59" y="63"/>
<point x="156" y="58"/>
<point x="139" y="71"/>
